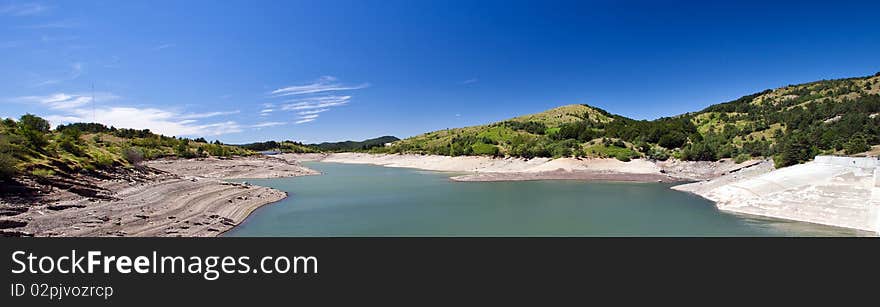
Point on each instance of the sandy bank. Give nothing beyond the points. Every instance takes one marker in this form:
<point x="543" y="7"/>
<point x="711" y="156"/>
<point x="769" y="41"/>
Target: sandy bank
<point x="177" y="198"/>
<point x="504" y="169"/>
<point x="565" y="175"/>
<point x="836" y="191"/>
<point x="238" y="168"/>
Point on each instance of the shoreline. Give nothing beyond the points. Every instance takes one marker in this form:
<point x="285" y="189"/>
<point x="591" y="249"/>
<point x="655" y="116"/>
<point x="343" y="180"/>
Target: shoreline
<point x="833" y="191"/>
<point x="842" y="196"/>
<point x="483" y="168"/>
<point x="566" y="175"/>
<point x="177" y="197"/>
<point x="190" y="197"/>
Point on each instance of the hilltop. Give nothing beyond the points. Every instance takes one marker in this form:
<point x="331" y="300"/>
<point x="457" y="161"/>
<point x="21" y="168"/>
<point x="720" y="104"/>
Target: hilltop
<point x="790" y="124"/>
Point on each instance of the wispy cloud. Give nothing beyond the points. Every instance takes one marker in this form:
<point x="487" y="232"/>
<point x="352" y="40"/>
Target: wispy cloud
<point x="268" y="124"/>
<point x="76" y="70"/>
<point x="313" y="98"/>
<point x="24" y="9"/>
<point x="323" y="84"/>
<point x="470" y="81"/>
<point x="60" y="101"/>
<point x="316" y="102"/>
<point x="266" y="112"/>
<point x="163" y="46"/>
<point x="312" y="111"/>
<point x="208" y="114"/>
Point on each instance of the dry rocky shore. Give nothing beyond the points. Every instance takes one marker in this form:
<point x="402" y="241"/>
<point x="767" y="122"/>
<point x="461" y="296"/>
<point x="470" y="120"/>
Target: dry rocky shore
<point x="160" y="198"/>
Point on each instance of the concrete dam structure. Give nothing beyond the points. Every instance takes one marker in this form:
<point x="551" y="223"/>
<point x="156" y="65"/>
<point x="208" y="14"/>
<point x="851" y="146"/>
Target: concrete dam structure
<point x="831" y="190"/>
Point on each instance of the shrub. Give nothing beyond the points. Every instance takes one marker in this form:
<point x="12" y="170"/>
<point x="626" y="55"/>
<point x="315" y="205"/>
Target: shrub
<point x="133" y="155"/>
<point x="699" y="151"/>
<point x="741" y="158"/>
<point x="658" y="154"/>
<point x="36" y="140"/>
<point x="7" y="165"/>
<point x="857" y="144"/>
<point x="483" y="149"/>
<point x="672" y="140"/>
<point x="103" y="160"/>
<point x="44" y="173"/>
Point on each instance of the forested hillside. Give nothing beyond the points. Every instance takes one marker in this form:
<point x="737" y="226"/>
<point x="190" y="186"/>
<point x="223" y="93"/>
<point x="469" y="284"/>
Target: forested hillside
<point x="354" y="145"/>
<point x="790" y="124"/>
<point x="283" y="146"/>
<point x="30" y="147"/>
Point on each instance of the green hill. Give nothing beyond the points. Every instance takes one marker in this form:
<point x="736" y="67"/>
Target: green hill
<point x="790" y="124"/>
<point x="28" y="147"/>
<point x="283" y="146"/>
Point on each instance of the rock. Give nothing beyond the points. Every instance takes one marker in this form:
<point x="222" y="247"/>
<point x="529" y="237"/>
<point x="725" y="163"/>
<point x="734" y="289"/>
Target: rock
<point x="11" y="224"/>
<point x="15" y="233"/>
<point x="65" y="206"/>
<point x="13" y="211"/>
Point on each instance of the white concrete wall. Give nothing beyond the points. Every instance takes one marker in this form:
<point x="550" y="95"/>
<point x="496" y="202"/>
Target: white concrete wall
<point x="862" y="162"/>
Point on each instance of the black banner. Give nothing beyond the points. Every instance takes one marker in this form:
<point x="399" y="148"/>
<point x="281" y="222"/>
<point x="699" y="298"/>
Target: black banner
<point x="414" y="271"/>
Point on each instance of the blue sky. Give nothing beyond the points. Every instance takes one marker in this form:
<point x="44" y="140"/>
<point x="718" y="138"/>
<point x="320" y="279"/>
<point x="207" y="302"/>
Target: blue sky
<point x="242" y="71"/>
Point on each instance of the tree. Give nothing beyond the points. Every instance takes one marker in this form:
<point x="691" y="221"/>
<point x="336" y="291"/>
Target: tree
<point x="795" y="149"/>
<point x="699" y="151"/>
<point x="34" y="129"/>
<point x="33" y="122"/>
<point x="857" y="144"/>
<point x="672" y="140"/>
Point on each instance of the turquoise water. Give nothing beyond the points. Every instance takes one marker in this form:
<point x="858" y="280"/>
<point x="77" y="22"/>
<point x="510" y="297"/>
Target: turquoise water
<point x="365" y="200"/>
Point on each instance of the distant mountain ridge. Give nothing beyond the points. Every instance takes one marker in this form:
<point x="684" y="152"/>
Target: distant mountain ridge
<point x="355" y="145"/>
<point x="791" y="124"/>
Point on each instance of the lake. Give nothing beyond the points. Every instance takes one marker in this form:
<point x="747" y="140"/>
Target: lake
<point x="366" y="200"/>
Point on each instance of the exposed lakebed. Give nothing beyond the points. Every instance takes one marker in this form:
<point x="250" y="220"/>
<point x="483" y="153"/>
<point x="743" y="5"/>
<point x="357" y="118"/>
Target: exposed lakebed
<point x="366" y="200"/>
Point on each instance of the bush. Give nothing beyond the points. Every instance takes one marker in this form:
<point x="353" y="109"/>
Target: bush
<point x="741" y="158"/>
<point x="7" y="165"/>
<point x="672" y="140"/>
<point x="69" y="141"/>
<point x="133" y="155"/>
<point x="658" y="154"/>
<point x="482" y="149"/>
<point x="44" y="173"/>
<point x="857" y="144"/>
<point x="103" y="160"/>
<point x="35" y="140"/>
<point x="699" y="151"/>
